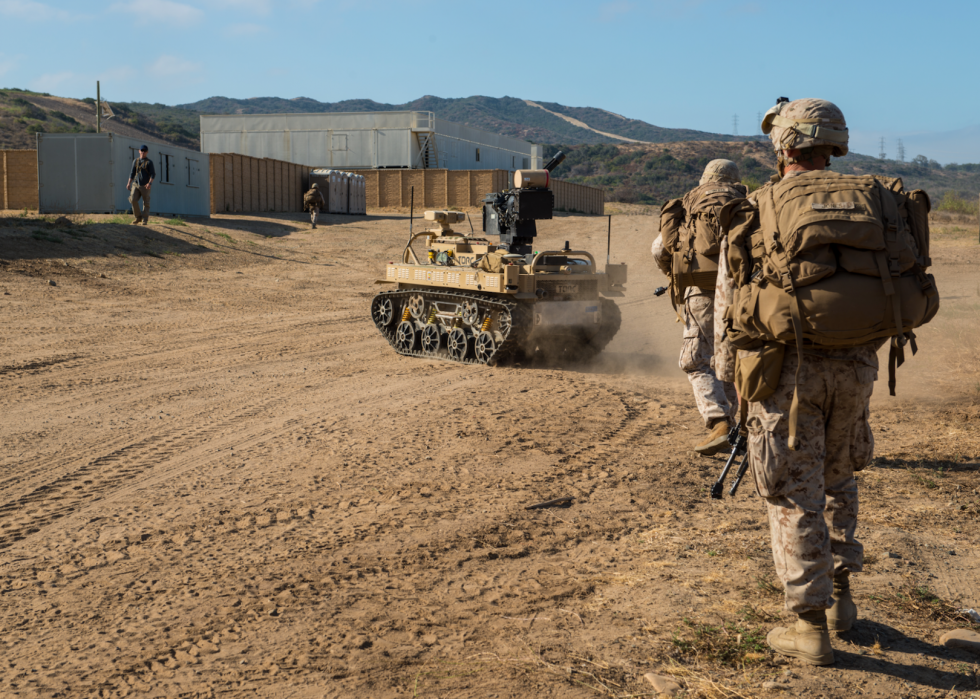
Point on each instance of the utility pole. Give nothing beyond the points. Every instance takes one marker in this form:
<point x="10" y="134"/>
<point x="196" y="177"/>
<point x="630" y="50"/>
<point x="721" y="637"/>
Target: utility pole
<point x="735" y="125"/>
<point x="98" y="108"/>
<point x="901" y="151"/>
<point x="881" y="148"/>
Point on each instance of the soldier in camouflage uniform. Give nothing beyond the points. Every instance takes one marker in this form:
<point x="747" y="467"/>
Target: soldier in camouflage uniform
<point x="810" y="492"/>
<point x="715" y="399"/>
<point x="314" y="200"/>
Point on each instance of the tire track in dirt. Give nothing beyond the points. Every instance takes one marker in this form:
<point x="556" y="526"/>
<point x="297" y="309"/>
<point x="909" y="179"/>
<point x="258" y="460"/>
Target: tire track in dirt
<point x="956" y="569"/>
<point x="101" y="477"/>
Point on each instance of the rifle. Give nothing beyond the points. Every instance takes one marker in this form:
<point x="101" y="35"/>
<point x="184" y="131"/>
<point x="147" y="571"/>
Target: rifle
<point x="739" y="448"/>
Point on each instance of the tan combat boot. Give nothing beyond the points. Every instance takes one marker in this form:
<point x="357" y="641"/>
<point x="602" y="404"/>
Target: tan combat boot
<point x="808" y="639"/>
<point x="842" y="615"/>
<point x="716" y="441"/>
<point x="135" y="222"/>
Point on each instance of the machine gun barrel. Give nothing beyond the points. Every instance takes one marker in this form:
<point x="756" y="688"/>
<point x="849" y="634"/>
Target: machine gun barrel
<point x="739" y="448"/>
<point x="555" y="162"/>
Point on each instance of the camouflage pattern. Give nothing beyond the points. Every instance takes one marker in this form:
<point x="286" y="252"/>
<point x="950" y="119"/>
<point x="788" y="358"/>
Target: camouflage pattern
<point x="811" y="493"/>
<point x="715" y="399"/>
<point x="720" y="170"/>
<point x="135" y="195"/>
<point x="788" y="137"/>
<point x="316" y="203"/>
<point x="724" y="355"/>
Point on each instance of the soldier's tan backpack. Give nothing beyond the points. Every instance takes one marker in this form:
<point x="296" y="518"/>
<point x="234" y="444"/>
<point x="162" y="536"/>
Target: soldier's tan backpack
<point x="692" y="236"/>
<point x="833" y="261"/>
<point x="311" y="198"/>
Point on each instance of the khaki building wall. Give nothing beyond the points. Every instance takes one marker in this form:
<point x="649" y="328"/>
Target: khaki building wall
<point x="18" y="179"/>
<point x="465" y="188"/>
<point x="240" y="183"/>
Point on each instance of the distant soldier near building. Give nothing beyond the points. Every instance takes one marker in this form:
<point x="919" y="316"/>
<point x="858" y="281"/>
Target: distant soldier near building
<point x="314" y="201"/>
<point x="819" y="269"/>
<point x="139" y="182"/>
<point x="687" y="252"/>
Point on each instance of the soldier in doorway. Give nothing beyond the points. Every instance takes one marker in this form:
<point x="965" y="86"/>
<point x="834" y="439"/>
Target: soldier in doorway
<point x="314" y="201"/>
<point x="139" y="182"/>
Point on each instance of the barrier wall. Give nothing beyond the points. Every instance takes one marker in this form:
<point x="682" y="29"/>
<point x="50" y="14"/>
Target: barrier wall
<point x="578" y="197"/>
<point x="18" y="177"/>
<point x="437" y="189"/>
<point x="240" y="183"/>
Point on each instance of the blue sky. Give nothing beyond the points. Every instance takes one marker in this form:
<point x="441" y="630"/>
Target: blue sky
<point x="898" y="69"/>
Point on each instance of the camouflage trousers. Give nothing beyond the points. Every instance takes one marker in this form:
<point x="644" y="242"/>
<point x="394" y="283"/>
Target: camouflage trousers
<point x="715" y="399"/>
<point x="811" y="493"/>
<point x="314" y="212"/>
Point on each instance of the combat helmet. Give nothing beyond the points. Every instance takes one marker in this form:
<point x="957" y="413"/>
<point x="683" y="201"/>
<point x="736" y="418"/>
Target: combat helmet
<point x="313" y="186"/>
<point x="720" y="170"/>
<point x="806" y="123"/>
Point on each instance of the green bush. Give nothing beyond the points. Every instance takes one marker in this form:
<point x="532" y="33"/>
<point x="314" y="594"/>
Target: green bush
<point x="752" y="183"/>
<point x="953" y="203"/>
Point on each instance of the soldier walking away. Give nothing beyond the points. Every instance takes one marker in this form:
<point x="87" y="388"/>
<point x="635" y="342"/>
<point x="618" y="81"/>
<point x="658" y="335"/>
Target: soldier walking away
<point x="687" y="252"/>
<point x="314" y="200"/>
<point x="809" y="258"/>
<point x="140" y="179"/>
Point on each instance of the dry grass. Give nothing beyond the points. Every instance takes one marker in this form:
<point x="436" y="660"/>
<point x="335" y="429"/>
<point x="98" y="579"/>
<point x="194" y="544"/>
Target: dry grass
<point x="731" y="643"/>
<point x="918" y="602"/>
<point x="699" y="685"/>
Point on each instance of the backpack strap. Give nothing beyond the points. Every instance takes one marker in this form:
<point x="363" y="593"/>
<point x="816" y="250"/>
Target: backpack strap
<point x="887" y="270"/>
<point x="779" y="257"/>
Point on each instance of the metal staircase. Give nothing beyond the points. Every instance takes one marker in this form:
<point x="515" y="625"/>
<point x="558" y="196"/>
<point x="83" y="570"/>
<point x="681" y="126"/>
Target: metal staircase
<point x="424" y="128"/>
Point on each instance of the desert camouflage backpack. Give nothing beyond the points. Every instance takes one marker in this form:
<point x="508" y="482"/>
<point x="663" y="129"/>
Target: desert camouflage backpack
<point x="312" y="198"/>
<point x="830" y="260"/>
<point x="692" y="236"/>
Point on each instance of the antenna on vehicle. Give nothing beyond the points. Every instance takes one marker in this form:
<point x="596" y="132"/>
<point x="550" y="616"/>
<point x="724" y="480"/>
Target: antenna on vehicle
<point x="411" y="210"/>
<point x="608" y="238"/>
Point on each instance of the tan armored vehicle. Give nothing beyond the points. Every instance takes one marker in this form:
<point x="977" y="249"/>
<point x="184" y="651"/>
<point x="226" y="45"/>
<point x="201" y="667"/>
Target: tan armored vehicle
<point x="472" y="300"/>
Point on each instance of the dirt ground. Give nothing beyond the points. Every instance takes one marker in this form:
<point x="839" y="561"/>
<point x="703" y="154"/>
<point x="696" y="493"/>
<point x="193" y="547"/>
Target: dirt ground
<point x="217" y="480"/>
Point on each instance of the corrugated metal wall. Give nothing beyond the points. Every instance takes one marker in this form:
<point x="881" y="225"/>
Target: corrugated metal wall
<point x="19" y="179"/>
<point x="344" y="141"/>
<point x="87" y="173"/>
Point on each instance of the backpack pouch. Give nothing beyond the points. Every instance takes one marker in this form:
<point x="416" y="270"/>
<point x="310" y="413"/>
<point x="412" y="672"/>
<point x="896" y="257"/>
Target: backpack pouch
<point x="757" y="371"/>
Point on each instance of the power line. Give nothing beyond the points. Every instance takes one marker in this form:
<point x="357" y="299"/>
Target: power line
<point x="881" y="148"/>
<point x="735" y="125"/>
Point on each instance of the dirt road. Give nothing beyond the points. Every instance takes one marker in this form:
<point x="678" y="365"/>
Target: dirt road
<point x="216" y="480"/>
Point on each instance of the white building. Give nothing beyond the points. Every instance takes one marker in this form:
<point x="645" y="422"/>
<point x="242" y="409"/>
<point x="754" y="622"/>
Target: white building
<point x="351" y="140"/>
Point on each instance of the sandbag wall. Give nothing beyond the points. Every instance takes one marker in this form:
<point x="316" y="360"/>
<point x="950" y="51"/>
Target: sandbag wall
<point x="240" y="183"/>
<point x="18" y="179"/>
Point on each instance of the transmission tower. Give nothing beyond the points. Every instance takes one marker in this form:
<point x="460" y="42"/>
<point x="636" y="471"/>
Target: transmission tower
<point x="901" y="151"/>
<point x="881" y="148"/>
<point x="758" y="120"/>
<point x="735" y="125"/>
